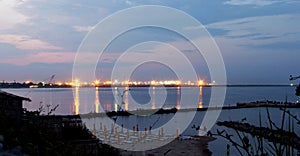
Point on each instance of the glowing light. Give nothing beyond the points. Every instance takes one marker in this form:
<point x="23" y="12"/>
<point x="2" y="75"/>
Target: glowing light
<point x="213" y="83"/>
<point x="116" y="82"/>
<point x="33" y="86"/>
<point x="126" y="82"/>
<point x="96" y="83"/>
<point x="69" y="83"/>
<point x="107" y="82"/>
<point x="201" y="82"/>
<point x="153" y="82"/>
<point x="76" y="83"/>
<point x="292" y="84"/>
<point x="59" y="83"/>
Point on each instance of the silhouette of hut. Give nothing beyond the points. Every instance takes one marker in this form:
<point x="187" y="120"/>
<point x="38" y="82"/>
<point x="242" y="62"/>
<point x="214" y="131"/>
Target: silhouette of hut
<point x="11" y="105"/>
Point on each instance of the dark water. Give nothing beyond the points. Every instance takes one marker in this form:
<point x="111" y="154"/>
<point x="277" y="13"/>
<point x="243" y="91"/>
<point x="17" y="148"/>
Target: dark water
<point x="86" y="100"/>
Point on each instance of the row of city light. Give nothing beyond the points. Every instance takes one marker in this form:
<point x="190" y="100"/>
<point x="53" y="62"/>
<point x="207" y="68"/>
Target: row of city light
<point x="78" y="83"/>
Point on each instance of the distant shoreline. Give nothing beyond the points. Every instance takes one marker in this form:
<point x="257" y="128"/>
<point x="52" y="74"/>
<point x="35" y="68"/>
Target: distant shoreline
<point x="143" y="86"/>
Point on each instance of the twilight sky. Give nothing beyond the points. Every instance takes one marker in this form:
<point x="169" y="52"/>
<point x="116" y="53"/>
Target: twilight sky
<point x="259" y="39"/>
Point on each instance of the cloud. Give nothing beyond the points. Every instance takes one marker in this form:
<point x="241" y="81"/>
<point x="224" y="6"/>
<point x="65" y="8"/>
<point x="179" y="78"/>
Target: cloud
<point x="129" y="2"/>
<point x="25" y="42"/>
<point x="83" y="28"/>
<point x="9" y="16"/>
<point x="42" y="57"/>
<point x="261" y="29"/>
<point x="257" y="2"/>
<point x="56" y="57"/>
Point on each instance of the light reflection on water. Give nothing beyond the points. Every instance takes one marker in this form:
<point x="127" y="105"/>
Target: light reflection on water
<point x="178" y="98"/>
<point x="104" y="99"/>
<point x="88" y="100"/>
<point x="126" y="99"/>
<point x="97" y="102"/>
<point x="200" y="104"/>
<point x="76" y="101"/>
<point x="153" y="106"/>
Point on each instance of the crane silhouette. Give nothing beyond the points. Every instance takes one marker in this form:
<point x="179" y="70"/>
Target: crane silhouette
<point x="121" y="94"/>
<point x="294" y="77"/>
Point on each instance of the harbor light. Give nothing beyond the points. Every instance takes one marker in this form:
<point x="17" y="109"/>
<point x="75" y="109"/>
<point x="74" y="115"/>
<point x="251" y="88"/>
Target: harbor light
<point x="76" y="83"/>
<point x="96" y="82"/>
<point x="200" y="82"/>
<point x="107" y="82"/>
<point x="153" y="82"/>
<point x="59" y="83"/>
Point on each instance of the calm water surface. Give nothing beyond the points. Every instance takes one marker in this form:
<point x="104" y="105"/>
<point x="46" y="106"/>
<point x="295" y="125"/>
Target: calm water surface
<point x="86" y="100"/>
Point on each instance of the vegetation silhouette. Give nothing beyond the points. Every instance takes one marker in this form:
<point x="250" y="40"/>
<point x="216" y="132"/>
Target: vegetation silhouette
<point x="262" y="140"/>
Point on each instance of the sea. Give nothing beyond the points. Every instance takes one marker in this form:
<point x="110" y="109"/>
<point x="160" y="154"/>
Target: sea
<point x="71" y="101"/>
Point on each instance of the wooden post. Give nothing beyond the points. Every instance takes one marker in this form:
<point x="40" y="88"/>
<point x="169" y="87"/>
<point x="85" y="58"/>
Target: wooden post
<point x="118" y="138"/>
<point x="112" y="128"/>
<point x="150" y="127"/>
<point x="133" y="130"/>
<point x="158" y="135"/>
<point x="94" y="129"/>
<point x="105" y="139"/>
<point x="115" y="131"/>
<point x="141" y="136"/>
<point x="177" y="132"/>
<point x="127" y="134"/>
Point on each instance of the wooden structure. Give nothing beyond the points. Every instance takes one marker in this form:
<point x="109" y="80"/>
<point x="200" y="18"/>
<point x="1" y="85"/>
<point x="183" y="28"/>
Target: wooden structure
<point x="11" y="105"/>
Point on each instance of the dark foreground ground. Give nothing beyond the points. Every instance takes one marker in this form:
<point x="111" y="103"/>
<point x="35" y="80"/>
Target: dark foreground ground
<point x="66" y="135"/>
